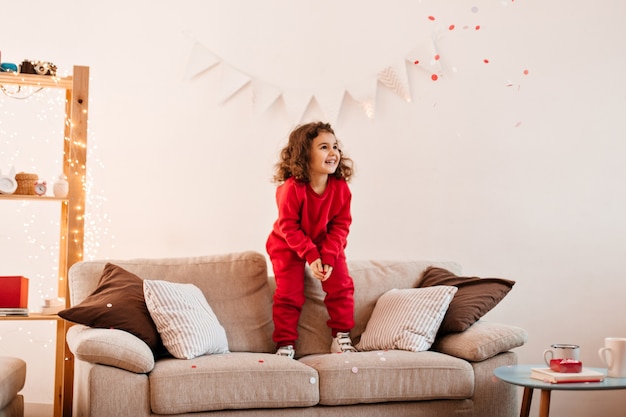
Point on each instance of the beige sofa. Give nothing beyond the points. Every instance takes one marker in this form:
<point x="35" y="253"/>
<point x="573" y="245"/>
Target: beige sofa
<point x="116" y="374"/>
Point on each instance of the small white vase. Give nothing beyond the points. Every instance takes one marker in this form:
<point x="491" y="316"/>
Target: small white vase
<point x="61" y="187"/>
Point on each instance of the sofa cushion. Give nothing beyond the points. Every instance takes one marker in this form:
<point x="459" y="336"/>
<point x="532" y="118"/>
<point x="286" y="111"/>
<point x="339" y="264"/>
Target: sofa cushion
<point x="406" y="319"/>
<point x="222" y="278"/>
<point x="371" y="280"/>
<point x="12" y="379"/>
<point x="475" y="297"/>
<point x="185" y="321"/>
<point x="395" y="375"/>
<point x="117" y="303"/>
<point x="110" y="347"/>
<point x="237" y="380"/>
<point x="481" y="341"/>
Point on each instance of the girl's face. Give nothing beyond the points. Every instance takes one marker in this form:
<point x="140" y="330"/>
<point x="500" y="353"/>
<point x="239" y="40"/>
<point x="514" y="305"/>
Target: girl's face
<point x="325" y="155"/>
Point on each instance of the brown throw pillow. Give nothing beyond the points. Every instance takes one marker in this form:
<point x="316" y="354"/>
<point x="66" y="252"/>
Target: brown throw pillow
<point x="474" y="298"/>
<point x="117" y="303"/>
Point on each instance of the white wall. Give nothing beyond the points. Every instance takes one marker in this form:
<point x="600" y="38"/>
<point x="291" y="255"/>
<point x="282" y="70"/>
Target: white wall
<point x="512" y="175"/>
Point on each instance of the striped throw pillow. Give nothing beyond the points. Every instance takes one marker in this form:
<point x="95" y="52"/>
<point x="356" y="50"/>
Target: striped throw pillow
<point x="406" y="319"/>
<point x="184" y="319"/>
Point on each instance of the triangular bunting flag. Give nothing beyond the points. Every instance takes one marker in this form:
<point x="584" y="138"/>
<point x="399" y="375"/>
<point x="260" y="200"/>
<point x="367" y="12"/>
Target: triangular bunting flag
<point x="201" y="60"/>
<point x="296" y="103"/>
<point x="390" y="77"/>
<point x="263" y="95"/>
<point x="365" y="94"/>
<point x="231" y="81"/>
<point x="330" y="101"/>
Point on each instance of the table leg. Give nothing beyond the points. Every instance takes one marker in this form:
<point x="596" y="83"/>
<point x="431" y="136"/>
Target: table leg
<point x="526" y="401"/>
<point x="544" y="403"/>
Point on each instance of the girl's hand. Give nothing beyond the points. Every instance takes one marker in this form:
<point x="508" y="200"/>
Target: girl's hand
<point x="317" y="269"/>
<point x="327" y="271"/>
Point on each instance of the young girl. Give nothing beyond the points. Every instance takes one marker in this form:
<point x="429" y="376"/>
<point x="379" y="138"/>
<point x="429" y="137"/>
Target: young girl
<point x="312" y="227"/>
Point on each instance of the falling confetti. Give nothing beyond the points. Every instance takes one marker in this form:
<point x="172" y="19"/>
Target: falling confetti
<point x="416" y="62"/>
<point x="431" y="17"/>
<point x="525" y="72"/>
<point x="193" y="366"/>
<point x="434" y="77"/>
<point x="486" y="61"/>
<point x="451" y="27"/>
<point x="477" y="27"/>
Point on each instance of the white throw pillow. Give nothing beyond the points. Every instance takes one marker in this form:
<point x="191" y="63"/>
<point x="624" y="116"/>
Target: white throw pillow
<point x="406" y="319"/>
<point x="184" y="319"/>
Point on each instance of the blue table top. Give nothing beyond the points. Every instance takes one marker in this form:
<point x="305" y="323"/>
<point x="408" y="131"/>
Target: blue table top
<point x="520" y="375"/>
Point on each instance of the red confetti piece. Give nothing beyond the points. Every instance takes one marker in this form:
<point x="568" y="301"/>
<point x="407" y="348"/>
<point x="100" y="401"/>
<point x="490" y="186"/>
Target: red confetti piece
<point x="193" y="366"/>
<point x="261" y="361"/>
<point x="477" y="27"/>
<point x="431" y="17"/>
<point x="486" y="61"/>
<point x="437" y="57"/>
<point x="416" y="62"/>
<point x="434" y="77"/>
<point x="525" y="72"/>
<point x="451" y="27"/>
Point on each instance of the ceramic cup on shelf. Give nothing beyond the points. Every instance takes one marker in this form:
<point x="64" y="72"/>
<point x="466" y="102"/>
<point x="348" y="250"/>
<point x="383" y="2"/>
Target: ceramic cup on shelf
<point x="61" y="187"/>
<point x="613" y="355"/>
<point x="561" y="351"/>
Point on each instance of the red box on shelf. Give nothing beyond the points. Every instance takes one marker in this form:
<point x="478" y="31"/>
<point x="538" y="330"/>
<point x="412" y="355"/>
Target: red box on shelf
<point x="13" y="292"/>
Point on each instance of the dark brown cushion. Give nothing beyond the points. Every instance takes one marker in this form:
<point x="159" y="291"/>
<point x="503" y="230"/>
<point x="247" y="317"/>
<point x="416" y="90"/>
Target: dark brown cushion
<point x="117" y="303"/>
<point x="474" y="298"/>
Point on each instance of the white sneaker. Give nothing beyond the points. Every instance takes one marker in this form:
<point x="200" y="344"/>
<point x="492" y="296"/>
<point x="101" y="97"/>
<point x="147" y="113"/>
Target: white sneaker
<point x="287" y="351"/>
<point x="342" y="344"/>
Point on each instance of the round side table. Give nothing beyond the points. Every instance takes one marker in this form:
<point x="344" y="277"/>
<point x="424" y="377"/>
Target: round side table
<point x="520" y="375"/>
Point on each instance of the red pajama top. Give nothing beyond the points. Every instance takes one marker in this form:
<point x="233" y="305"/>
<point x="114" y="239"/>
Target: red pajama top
<point x="312" y="225"/>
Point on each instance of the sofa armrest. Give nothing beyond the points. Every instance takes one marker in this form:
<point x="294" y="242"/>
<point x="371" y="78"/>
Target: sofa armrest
<point x="481" y="341"/>
<point x="111" y="347"/>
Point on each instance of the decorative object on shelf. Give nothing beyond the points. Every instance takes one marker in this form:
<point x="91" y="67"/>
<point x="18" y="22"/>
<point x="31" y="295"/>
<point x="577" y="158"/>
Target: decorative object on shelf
<point x="52" y="306"/>
<point x="14" y="292"/>
<point x="8" y="184"/>
<point x="25" y="183"/>
<point x="8" y="67"/>
<point x="61" y="187"/>
<point x="41" y="187"/>
<point x="38" y="67"/>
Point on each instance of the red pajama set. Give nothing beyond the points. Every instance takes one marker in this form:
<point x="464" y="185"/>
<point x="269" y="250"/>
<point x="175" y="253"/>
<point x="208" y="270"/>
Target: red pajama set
<point x="310" y="226"/>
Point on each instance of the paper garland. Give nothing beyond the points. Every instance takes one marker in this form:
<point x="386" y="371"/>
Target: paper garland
<point x="232" y="80"/>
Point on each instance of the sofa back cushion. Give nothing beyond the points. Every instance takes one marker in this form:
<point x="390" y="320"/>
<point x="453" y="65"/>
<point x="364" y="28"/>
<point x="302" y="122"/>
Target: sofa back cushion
<point x="235" y="286"/>
<point x="371" y="280"/>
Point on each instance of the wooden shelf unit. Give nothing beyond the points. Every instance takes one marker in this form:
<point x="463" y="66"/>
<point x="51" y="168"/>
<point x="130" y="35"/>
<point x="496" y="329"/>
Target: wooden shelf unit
<point x="71" y="233"/>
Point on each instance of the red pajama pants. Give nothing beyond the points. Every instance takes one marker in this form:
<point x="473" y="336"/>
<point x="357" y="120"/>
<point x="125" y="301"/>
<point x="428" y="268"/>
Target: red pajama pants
<point x="289" y="296"/>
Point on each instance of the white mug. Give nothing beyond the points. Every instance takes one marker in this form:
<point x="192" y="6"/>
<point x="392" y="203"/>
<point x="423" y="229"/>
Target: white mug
<point x="613" y="354"/>
<point x="561" y="351"/>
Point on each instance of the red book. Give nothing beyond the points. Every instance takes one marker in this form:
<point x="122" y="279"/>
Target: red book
<point x="13" y="292"/>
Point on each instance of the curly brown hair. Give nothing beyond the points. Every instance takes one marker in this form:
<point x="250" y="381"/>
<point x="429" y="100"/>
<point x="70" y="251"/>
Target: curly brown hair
<point x="295" y="156"/>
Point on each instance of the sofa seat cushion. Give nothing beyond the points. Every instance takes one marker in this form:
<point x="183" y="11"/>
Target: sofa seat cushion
<point x="237" y="380"/>
<point x="391" y="375"/>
